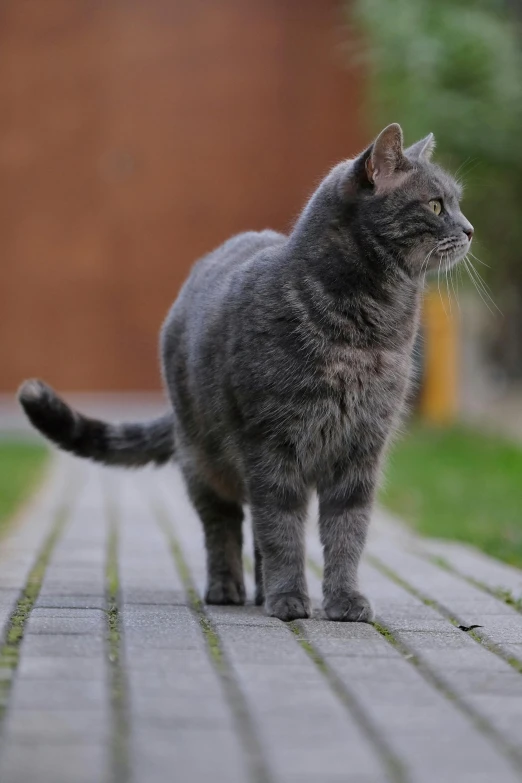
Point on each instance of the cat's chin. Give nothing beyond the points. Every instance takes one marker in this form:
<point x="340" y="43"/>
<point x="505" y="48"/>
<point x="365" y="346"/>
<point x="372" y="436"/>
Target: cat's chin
<point x="445" y="264"/>
<point x="458" y="256"/>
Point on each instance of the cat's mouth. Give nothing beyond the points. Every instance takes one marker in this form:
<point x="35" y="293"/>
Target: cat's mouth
<point x="446" y="255"/>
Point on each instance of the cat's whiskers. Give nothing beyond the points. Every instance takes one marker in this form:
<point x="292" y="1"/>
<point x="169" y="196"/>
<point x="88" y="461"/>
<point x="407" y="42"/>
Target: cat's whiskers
<point x="455" y="291"/>
<point x="424" y="265"/>
<point x="475" y="284"/>
<point x="446" y="269"/>
<point x="484" y="286"/>
<point x="473" y="163"/>
<point x="438" y="286"/>
<point x="478" y="259"/>
<point x="460" y="276"/>
<point x="461" y="167"/>
<point x="480" y="286"/>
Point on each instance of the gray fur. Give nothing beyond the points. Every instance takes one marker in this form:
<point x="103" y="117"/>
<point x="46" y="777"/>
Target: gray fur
<point x="130" y="445"/>
<point x="287" y="360"/>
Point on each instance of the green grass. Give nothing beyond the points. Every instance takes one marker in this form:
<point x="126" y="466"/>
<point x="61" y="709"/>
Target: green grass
<point x="458" y="483"/>
<point x="21" y="467"/>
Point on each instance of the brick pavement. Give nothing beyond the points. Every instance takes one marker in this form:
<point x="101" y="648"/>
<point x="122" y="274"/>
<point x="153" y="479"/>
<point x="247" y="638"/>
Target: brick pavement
<point x="113" y="670"/>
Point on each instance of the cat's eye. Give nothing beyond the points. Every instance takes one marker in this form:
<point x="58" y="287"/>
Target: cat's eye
<point x="436" y="205"/>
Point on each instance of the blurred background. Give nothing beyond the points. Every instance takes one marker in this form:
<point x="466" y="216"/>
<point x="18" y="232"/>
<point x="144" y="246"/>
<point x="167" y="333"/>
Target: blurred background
<point x="135" y="135"/>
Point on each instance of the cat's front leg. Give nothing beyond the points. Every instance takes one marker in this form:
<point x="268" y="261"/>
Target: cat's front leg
<point x="344" y="515"/>
<point x="279" y="516"/>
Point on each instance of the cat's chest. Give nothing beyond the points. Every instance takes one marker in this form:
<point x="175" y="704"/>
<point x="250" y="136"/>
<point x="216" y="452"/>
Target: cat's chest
<point x="359" y="379"/>
<point x="358" y="392"/>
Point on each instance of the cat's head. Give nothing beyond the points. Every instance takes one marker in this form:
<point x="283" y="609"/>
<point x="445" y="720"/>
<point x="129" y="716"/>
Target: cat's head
<point x="409" y="203"/>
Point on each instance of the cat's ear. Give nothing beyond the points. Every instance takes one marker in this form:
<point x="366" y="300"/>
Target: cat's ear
<point x="423" y="149"/>
<point x="386" y="158"/>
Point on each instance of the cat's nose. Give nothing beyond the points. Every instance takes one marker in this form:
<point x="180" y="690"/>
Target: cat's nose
<point x="469" y="232"/>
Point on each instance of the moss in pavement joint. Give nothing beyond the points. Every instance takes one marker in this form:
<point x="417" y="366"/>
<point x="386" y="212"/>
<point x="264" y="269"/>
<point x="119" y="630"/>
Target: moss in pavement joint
<point x="259" y="770"/>
<point x="440" y="561"/>
<point x="489" y="645"/>
<point x="506" y="596"/>
<point x="515" y="663"/>
<point x="426" y="672"/>
<point x="396" y="771"/>
<point x="310" y="649"/>
<point x="117" y="675"/>
<point x="10" y="650"/>
<point x="112" y="590"/>
<point x="497" y="592"/>
<point x="211" y="637"/>
<point x="384" y="631"/>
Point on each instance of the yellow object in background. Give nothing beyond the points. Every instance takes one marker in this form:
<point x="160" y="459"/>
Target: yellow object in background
<point x="439" y="395"/>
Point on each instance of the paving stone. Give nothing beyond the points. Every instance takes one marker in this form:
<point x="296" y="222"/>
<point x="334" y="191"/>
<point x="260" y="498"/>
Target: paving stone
<point x="348" y="639"/>
<point x="281" y="686"/>
<point x="471" y="658"/>
<point x="193" y="755"/>
<point x="66" y="624"/>
<point x="87" y="613"/>
<point x="178" y="708"/>
<point x="145" y="659"/>
<point x="54" y="668"/>
<point x="9" y="596"/>
<point x="437" y="639"/>
<point x="165" y="704"/>
<point x="57" y="726"/>
<point x="258" y="644"/>
<point x="51" y="600"/>
<point x="83" y="590"/>
<point x="60" y="568"/>
<point x="475" y="565"/>
<point x="156" y="627"/>
<point x="455" y="658"/>
<point x="246" y="616"/>
<point x="73" y="695"/>
<point x="504" y="630"/>
<point x="304" y="728"/>
<point x="139" y="595"/>
<point x="263" y="700"/>
<point x="5" y="616"/>
<point x="83" y="762"/>
<point x="63" y="645"/>
<point x="502" y="625"/>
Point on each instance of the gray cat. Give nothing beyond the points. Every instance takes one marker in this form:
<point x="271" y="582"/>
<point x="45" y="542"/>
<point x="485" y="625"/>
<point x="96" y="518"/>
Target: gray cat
<point x="287" y="360"/>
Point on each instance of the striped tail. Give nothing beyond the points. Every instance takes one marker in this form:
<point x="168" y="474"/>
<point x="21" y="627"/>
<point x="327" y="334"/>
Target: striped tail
<point x="129" y="445"/>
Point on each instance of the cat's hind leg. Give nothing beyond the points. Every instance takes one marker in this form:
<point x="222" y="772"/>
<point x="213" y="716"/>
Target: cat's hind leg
<point x="258" y="572"/>
<point x="222" y="524"/>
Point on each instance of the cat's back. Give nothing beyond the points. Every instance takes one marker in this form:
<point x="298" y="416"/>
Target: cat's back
<point x="215" y="269"/>
<point x="200" y="301"/>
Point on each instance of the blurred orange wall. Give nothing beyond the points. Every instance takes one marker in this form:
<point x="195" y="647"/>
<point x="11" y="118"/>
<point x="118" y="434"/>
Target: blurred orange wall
<point x="135" y="135"/>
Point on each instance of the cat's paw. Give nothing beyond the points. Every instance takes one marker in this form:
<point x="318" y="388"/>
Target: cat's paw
<point x="288" y="606"/>
<point x="351" y="608"/>
<point x="225" y="590"/>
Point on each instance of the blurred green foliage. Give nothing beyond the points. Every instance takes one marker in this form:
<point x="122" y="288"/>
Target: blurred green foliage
<point x="454" y="67"/>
